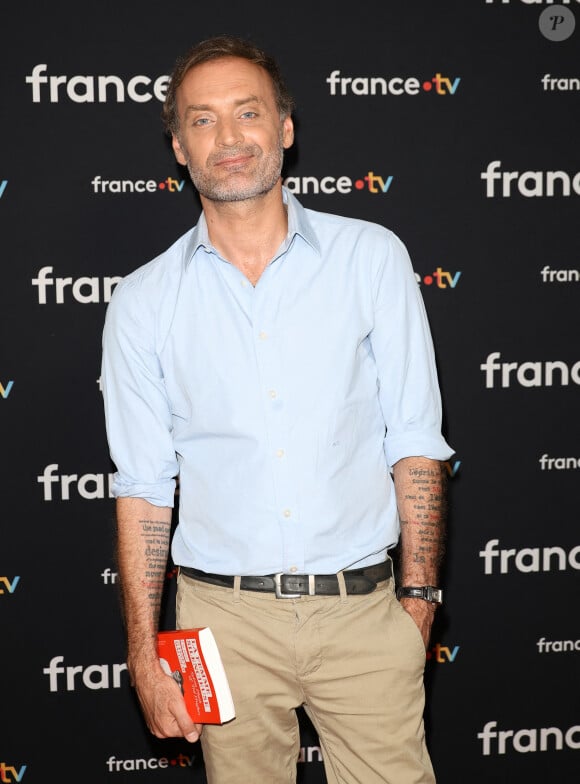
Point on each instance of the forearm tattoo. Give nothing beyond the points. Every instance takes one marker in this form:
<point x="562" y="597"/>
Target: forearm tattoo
<point x="424" y="512"/>
<point x="156" y="540"/>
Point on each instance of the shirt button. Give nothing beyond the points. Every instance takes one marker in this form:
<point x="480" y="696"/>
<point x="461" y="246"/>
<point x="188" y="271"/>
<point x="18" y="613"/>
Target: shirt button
<point x="293" y="569"/>
<point x="279" y="453"/>
<point x="287" y="513"/>
<point x="244" y="283"/>
<point x="273" y="393"/>
<point x="263" y="335"/>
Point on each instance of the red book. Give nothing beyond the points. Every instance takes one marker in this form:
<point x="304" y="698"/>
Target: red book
<point x="192" y="658"/>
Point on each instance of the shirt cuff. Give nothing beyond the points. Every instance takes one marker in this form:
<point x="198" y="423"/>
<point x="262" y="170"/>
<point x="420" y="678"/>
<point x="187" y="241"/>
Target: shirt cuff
<point x="421" y="443"/>
<point x="158" y="494"/>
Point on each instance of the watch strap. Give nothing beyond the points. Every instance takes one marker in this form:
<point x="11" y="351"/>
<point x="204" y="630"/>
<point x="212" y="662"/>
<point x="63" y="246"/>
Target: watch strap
<point x="427" y="592"/>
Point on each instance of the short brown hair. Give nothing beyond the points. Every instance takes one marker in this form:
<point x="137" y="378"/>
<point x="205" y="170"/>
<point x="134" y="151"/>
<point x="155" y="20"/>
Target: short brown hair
<point x="213" y="49"/>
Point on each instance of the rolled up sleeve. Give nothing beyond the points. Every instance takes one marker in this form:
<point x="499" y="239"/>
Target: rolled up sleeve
<point x="402" y="344"/>
<point x="137" y="410"/>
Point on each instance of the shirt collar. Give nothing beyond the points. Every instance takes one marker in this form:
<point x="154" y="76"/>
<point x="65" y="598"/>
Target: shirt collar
<point x="298" y="224"/>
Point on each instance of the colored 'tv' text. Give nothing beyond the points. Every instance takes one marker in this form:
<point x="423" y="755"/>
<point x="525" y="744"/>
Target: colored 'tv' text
<point x="10" y="587"/>
<point x="8" y="773"/>
<point x="5" y="390"/>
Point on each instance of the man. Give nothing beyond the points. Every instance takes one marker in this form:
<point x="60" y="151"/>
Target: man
<point x="279" y="361"/>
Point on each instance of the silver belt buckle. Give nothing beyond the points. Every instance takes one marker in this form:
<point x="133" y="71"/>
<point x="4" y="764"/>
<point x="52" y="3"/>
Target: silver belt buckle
<point x="278" y="588"/>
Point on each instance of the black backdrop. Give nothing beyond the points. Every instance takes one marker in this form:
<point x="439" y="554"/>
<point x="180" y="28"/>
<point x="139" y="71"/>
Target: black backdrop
<point x="472" y="88"/>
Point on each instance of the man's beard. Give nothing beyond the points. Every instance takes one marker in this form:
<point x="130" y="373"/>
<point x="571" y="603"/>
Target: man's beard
<point x="265" y="175"/>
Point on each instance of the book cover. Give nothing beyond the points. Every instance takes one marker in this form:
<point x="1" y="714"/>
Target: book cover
<point x="192" y="658"/>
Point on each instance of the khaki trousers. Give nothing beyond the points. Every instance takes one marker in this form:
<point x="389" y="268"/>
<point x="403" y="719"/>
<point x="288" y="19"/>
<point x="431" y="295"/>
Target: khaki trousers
<point x="355" y="663"/>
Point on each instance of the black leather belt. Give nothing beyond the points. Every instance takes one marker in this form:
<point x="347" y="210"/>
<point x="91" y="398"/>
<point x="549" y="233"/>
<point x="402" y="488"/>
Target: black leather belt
<point x="292" y="586"/>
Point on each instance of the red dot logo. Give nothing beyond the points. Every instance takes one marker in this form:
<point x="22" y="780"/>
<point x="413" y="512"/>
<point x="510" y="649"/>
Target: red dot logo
<point x="428" y="280"/>
<point x="161" y="186"/>
<point x="359" y="185"/>
<point x="427" y="86"/>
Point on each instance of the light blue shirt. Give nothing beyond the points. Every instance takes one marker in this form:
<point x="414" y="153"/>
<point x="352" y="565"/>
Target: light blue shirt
<point x="281" y="407"/>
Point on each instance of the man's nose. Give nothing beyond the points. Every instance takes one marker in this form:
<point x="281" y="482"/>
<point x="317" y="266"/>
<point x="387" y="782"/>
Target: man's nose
<point x="229" y="133"/>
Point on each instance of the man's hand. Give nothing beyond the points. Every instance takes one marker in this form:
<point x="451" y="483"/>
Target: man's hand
<point x="423" y="613"/>
<point x="164" y="707"/>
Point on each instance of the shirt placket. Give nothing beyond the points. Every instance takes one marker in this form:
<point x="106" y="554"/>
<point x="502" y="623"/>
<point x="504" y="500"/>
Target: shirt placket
<point x="275" y="391"/>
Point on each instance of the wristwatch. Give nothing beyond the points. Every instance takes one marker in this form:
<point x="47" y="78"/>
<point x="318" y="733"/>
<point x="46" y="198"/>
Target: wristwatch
<point x="427" y="592"/>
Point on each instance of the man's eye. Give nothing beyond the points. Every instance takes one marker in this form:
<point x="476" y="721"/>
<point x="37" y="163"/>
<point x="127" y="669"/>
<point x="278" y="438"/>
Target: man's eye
<point x="249" y="115"/>
<point x="201" y="121"/>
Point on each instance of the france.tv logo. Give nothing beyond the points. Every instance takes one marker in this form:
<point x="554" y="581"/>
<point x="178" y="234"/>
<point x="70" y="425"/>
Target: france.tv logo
<point x="391" y="85"/>
<point x="328" y="184"/>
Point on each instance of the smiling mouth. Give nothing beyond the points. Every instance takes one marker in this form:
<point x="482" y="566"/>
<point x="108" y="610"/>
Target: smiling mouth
<point x="237" y="160"/>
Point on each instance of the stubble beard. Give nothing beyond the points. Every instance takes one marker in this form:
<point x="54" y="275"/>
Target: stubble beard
<point x="264" y="178"/>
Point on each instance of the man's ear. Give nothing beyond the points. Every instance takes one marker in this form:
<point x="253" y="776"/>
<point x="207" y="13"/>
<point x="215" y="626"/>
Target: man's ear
<point x="287" y="132"/>
<point x="179" y="154"/>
